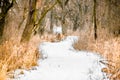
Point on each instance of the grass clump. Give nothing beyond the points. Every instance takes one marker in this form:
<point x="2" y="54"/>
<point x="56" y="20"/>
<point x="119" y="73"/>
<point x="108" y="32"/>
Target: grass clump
<point x="16" y="56"/>
<point x="108" y="46"/>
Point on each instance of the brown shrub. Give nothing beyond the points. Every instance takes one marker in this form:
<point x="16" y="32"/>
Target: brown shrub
<point x="15" y="56"/>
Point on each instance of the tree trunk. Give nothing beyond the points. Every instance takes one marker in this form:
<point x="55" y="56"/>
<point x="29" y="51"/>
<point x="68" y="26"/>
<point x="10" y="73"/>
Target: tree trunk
<point x="18" y="18"/>
<point x="27" y="33"/>
<point x="87" y="17"/>
<point x="15" y="20"/>
<point x="107" y="16"/>
<point x="94" y="20"/>
<point x="51" y="21"/>
<point x="64" y="29"/>
<point x="98" y="16"/>
<point x="5" y="5"/>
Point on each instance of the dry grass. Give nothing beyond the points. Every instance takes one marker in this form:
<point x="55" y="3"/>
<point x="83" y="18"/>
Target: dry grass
<point x="3" y="73"/>
<point x="15" y="56"/>
<point x="108" y="46"/>
<point x="110" y="49"/>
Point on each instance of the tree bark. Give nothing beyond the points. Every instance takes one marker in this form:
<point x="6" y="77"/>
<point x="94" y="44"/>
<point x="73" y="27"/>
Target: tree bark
<point x="5" y="5"/>
<point x="94" y="18"/>
<point x="15" y="20"/>
<point x="51" y="21"/>
<point x="27" y="33"/>
<point x="64" y="29"/>
<point x="108" y="17"/>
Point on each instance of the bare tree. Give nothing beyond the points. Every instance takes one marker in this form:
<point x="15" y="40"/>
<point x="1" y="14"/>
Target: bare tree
<point x="22" y="19"/>
<point x="5" y="5"/>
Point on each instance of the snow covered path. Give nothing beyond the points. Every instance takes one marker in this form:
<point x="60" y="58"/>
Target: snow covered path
<point x="65" y="63"/>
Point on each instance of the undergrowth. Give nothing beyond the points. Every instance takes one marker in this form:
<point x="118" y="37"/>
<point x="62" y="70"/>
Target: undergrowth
<point x="108" y="46"/>
<point x="16" y="56"/>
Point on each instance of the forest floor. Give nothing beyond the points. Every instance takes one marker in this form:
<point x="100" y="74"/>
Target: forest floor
<point x="62" y="62"/>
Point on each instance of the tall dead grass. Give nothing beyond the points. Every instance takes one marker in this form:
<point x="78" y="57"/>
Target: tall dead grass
<point x="108" y="46"/>
<point x="16" y="56"/>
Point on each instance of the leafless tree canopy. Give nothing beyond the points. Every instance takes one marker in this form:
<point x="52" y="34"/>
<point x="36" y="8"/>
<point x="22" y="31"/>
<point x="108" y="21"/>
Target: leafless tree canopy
<point x="25" y="18"/>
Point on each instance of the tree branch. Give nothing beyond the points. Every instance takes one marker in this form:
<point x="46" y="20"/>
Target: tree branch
<point x="43" y="15"/>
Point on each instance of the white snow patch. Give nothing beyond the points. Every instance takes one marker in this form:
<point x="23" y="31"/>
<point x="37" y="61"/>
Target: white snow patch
<point x="65" y="63"/>
<point x="57" y="29"/>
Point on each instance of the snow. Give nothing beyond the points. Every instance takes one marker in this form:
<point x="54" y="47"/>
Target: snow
<point x="57" y="29"/>
<point x="62" y="62"/>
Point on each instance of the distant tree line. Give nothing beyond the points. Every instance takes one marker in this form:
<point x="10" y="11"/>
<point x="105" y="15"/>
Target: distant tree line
<point x="22" y="19"/>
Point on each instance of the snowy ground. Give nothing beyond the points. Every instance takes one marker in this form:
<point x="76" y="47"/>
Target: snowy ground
<point x="61" y="62"/>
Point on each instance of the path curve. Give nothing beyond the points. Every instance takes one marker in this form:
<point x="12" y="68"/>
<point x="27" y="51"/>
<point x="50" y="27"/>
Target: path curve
<point x="62" y="62"/>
